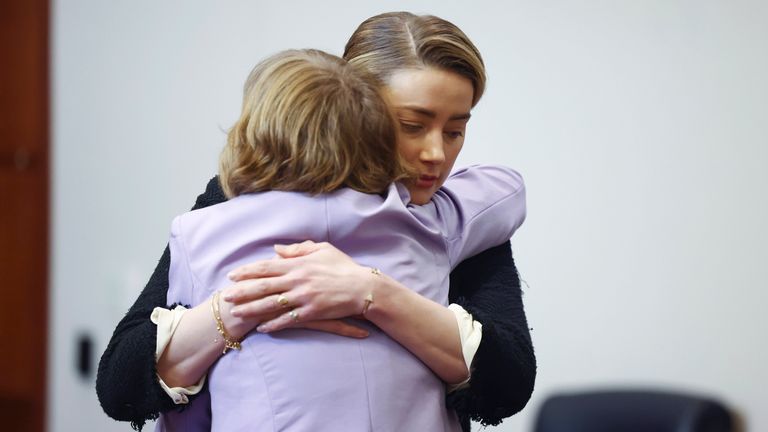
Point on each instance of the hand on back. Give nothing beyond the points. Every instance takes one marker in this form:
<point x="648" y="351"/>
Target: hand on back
<point x="308" y="285"/>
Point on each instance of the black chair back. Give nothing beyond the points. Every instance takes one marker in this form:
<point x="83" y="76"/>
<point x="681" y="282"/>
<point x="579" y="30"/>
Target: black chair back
<point x="632" y="411"/>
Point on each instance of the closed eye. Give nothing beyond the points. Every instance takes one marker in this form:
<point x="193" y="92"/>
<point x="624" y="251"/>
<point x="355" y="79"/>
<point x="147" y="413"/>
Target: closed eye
<point x="411" y="127"/>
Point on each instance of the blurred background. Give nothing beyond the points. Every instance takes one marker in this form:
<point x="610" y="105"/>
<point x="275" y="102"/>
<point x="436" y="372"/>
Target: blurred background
<point x="641" y="128"/>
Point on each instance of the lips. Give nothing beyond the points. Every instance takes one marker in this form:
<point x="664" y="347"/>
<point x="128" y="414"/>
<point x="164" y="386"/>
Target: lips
<point x="426" y="181"/>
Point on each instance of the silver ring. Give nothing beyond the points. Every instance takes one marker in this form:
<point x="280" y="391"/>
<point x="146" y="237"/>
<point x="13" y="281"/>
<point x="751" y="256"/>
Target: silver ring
<point x="294" y="315"/>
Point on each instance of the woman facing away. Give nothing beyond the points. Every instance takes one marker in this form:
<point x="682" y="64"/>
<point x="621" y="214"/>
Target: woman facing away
<point x="415" y="59"/>
<point x="317" y="141"/>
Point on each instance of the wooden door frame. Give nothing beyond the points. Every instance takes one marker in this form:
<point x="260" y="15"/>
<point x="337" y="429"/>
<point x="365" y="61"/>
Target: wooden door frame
<point x="24" y="234"/>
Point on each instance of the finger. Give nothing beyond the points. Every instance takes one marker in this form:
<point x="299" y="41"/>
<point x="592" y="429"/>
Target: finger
<point x="261" y="269"/>
<point x="257" y="308"/>
<point x="338" y="327"/>
<point x="256" y="319"/>
<point x="255" y="289"/>
<point x="288" y="319"/>
<point x="297" y="249"/>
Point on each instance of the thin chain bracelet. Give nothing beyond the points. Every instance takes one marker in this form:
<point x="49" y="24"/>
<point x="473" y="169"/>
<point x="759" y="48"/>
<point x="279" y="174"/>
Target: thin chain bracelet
<point x="369" y="297"/>
<point x="229" y="341"/>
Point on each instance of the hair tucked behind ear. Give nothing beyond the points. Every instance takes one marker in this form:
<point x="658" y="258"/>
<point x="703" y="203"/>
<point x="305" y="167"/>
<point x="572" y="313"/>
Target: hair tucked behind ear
<point x="386" y="43"/>
<point x="310" y="123"/>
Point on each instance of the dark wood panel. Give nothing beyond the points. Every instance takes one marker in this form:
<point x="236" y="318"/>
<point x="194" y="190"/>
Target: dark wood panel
<point x="24" y="177"/>
<point x="23" y="268"/>
<point x="23" y="74"/>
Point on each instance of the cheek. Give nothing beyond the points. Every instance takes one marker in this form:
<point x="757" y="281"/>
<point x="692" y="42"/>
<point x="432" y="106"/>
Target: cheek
<point x="408" y="150"/>
<point x="452" y="153"/>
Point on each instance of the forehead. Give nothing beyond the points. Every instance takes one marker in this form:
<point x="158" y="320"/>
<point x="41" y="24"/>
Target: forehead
<point x="429" y="89"/>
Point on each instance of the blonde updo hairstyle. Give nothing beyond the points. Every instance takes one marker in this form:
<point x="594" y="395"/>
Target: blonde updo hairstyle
<point x="387" y="43"/>
<point x="312" y="123"/>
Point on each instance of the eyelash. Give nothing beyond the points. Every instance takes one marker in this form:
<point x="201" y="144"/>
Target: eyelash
<point x="416" y="128"/>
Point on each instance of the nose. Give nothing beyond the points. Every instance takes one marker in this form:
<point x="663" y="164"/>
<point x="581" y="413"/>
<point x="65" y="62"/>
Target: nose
<point x="432" y="152"/>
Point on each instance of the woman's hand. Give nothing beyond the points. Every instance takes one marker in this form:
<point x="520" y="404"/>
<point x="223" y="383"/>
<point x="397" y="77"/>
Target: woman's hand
<point x="320" y="282"/>
<point x="309" y="285"/>
<point x="335" y="326"/>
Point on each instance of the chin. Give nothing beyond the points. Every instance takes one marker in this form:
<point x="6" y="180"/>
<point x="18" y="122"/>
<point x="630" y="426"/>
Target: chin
<point x="420" y="199"/>
<point x="420" y="196"/>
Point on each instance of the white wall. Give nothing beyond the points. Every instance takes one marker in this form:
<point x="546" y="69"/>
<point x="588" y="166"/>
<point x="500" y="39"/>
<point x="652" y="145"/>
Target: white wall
<point x="641" y="128"/>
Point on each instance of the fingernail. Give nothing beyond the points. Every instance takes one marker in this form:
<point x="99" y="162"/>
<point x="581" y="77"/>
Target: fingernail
<point x="234" y="312"/>
<point x="232" y="275"/>
<point x="262" y="329"/>
<point x="228" y="297"/>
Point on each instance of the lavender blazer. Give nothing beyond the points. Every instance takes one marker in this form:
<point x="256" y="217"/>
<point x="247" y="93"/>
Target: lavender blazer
<point x="302" y="380"/>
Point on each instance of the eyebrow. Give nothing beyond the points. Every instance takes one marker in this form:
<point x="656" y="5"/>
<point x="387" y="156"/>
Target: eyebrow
<point x="432" y="114"/>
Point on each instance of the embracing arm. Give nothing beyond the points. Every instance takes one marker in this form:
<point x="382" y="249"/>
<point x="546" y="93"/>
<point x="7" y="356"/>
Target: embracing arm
<point x="324" y="283"/>
<point x="504" y="368"/>
<point x="486" y="285"/>
<point x="126" y="382"/>
<point x="425" y="328"/>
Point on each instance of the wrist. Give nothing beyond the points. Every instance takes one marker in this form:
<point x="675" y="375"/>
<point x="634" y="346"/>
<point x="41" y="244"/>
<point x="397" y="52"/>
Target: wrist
<point x="235" y="327"/>
<point x="368" y="291"/>
<point x="384" y="292"/>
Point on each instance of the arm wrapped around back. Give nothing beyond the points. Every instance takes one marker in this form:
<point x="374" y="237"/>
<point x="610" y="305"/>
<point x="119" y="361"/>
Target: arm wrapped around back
<point x="127" y="383"/>
<point x="504" y="369"/>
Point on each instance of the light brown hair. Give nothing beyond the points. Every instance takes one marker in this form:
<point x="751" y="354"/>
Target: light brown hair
<point x="312" y="123"/>
<point x="386" y="43"/>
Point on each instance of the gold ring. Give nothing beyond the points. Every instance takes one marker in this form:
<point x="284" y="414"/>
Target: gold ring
<point x="282" y="300"/>
<point x="294" y="315"/>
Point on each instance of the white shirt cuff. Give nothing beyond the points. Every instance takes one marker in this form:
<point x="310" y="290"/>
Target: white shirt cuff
<point x="167" y="321"/>
<point x="470" y="333"/>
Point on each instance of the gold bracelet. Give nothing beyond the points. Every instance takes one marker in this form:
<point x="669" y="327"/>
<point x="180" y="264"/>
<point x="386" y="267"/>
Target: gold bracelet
<point x="369" y="297"/>
<point x="229" y="341"/>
